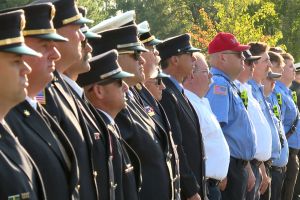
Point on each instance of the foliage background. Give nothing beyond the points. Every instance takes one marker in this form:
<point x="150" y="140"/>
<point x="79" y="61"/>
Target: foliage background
<point x="276" y="22"/>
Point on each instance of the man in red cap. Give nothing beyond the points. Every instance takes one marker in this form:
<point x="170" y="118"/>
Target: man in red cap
<point x="227" y="60"/>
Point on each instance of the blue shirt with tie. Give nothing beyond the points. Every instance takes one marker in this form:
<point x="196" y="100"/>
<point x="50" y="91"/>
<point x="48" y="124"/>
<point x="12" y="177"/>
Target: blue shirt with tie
<point x="257" y="92"/>
<point x="288" y="114"/>
<point x="232" y="115"/>
<point x="284" y="154"/>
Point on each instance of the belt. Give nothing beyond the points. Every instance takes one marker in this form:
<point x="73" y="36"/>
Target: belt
<point x="212" y="182"/>
<point x="256" y="162"/>
<point x="239" y="161"/>
<point x="278" y="169"/>
<point x="293" y="151"/>
<point x="268" y="163"/>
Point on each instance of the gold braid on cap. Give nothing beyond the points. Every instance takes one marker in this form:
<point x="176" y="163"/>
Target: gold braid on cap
<point x="72" y="19"/>
<point x="148" y="39"/>
<point x="11" y="41"/>
<point x="38" y="32"/>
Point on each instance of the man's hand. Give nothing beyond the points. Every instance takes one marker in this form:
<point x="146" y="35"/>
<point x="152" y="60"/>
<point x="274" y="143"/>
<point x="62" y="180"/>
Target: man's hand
<point x="194" y="197"/>
<point x="223" y="184"/>
<point x="266" y="180"/>
<point x="251" y="178"/>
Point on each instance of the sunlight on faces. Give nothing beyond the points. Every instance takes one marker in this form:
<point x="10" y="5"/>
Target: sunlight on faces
<point x="42" y="67"/>
<point x="71" y="51"/>
<point x="233" y="62"/>
<point x="152" y="60"/>
<point x="185" y="63"/>
<point x="155" y="86"/>
<point x="13" y="81"/>
<point x="132" y="63"/>
<point x="201" y="76"/>
<point x="263" y="65"/>
<point x="113" y="95"/>
<point x="289" y="70"/>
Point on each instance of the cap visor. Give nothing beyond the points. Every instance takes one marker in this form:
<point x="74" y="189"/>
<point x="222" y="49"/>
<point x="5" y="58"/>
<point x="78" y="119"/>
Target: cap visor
<point x="153" y="42"/>
<point x="122" y="74"/>
<point x="91" y="35"/>
<point x="253" y="58"/>
<point x="192" y="49"/>
<point x="51" y="36"/>
<point x="23" y="50"/>
<point x="162" y="75"/>
<point x="241" y="48"/>
<point x="138" y="48"/>
<point x="142" y="31"/>
<point x="273" y="75"/>
<point x="83" y="20"/>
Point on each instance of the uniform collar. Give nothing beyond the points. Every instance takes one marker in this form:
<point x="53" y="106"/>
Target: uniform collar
<point x="255" y="85"/>
<point x="282" y="87"/>
<point x="32" y="102"/>
<point x="111" y="120"/>
<point x="177" y="84"/>
<point x="73" y="84"/>
<point x="216" y="71"/>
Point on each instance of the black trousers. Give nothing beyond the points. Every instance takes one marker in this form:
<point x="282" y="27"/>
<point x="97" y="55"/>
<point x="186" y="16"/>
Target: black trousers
<point x="291" y="176"/>
<point x="237" y="179"/>
<point x="278" y="175"/>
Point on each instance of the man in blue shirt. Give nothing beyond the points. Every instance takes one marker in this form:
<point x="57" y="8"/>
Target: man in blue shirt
<point x="227" y="62"/>
<point x="290" y="117"/>
<point x="260" y="73"/>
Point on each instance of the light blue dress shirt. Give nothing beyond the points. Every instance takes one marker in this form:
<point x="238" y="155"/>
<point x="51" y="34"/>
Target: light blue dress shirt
<point x="232" y="116"/>
<point x="257" y="92"/>
<point x="284" y="154"/>
<point x="288" y="114"/>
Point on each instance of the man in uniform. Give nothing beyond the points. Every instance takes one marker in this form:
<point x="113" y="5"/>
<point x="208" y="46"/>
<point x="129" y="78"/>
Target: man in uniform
<point x="105" y="89"/>
<point x="136" y="126"/>
<point x="227" y="60"/>
<point x="36" y="130"/>
<point x="177" y="60"/>
<point x="260" y="73"/>
<point x="62" y="105"/>
<point x="20" y="177"/>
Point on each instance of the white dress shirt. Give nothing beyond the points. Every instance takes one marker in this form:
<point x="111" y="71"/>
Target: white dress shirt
<point x="262" y="128"/>
<point x="215" y="145"/>
<point x="73" y="84"/>
<point x="32" y="102"/>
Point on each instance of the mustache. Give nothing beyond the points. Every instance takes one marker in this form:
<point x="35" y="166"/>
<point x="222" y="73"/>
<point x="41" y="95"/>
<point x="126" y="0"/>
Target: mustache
<point x="87" y="57"/>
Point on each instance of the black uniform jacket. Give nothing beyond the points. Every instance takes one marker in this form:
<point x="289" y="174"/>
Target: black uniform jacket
<point x="157" y="113"/>
<point x="140" y="132"/>
<point x="125" y="174"/>
<point x="19" y="177"/>
<point x="49" y="147"/>
<point x="61" y="105"/>
<point x="101" y="151"/>
<point x="188" y="138"/>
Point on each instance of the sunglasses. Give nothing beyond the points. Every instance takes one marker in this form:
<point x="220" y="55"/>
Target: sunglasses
<point x="156" y="81"/>
<point x="135" y="54"/>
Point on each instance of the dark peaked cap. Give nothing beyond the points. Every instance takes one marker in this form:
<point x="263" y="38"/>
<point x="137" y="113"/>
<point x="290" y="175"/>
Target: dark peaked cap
<point x="124" y="38"/>
<point x="84" y="28"/>
<point x="175" y="45"/>
<point x="39" y="21"/>
<point x="104" y="68"/>
<point x="66" y="13"/>
<point x="11" y="37"/>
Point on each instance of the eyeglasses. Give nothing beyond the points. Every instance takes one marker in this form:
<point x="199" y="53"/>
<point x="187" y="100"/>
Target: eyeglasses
<point x="239" y="54"/>
<point x="136" y="54"/>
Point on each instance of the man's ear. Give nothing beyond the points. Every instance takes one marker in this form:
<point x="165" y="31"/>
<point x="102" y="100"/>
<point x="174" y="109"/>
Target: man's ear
<point x="174" y="60"/>
<point x="98" y="91"/>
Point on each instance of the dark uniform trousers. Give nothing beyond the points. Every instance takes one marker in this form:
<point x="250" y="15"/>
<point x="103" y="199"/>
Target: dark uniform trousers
<point x="19" y="177"/>
<point x="291" y="175"/>
<point x="61" y="105"/>
<point x="126" y="176"/>
<point x="139" y="131"/>
<point x="49" y="148"/>
<point x="278" y="176"/>
<point x="157" y="113"/>
<point x="188" y="138"/>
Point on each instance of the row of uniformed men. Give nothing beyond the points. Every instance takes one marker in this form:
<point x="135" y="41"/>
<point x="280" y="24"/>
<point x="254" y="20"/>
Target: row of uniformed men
<point x="124" y="125"/>
<point x="111" y="140"/>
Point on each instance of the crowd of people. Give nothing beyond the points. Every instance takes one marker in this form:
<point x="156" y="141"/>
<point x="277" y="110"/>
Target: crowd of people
<point x="114" y="113"/>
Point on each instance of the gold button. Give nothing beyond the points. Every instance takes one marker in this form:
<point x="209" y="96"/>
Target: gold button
<point x="78" y="187"/>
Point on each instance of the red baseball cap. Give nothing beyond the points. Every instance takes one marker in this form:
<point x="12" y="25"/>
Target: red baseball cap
<point x="225" y="41"/>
